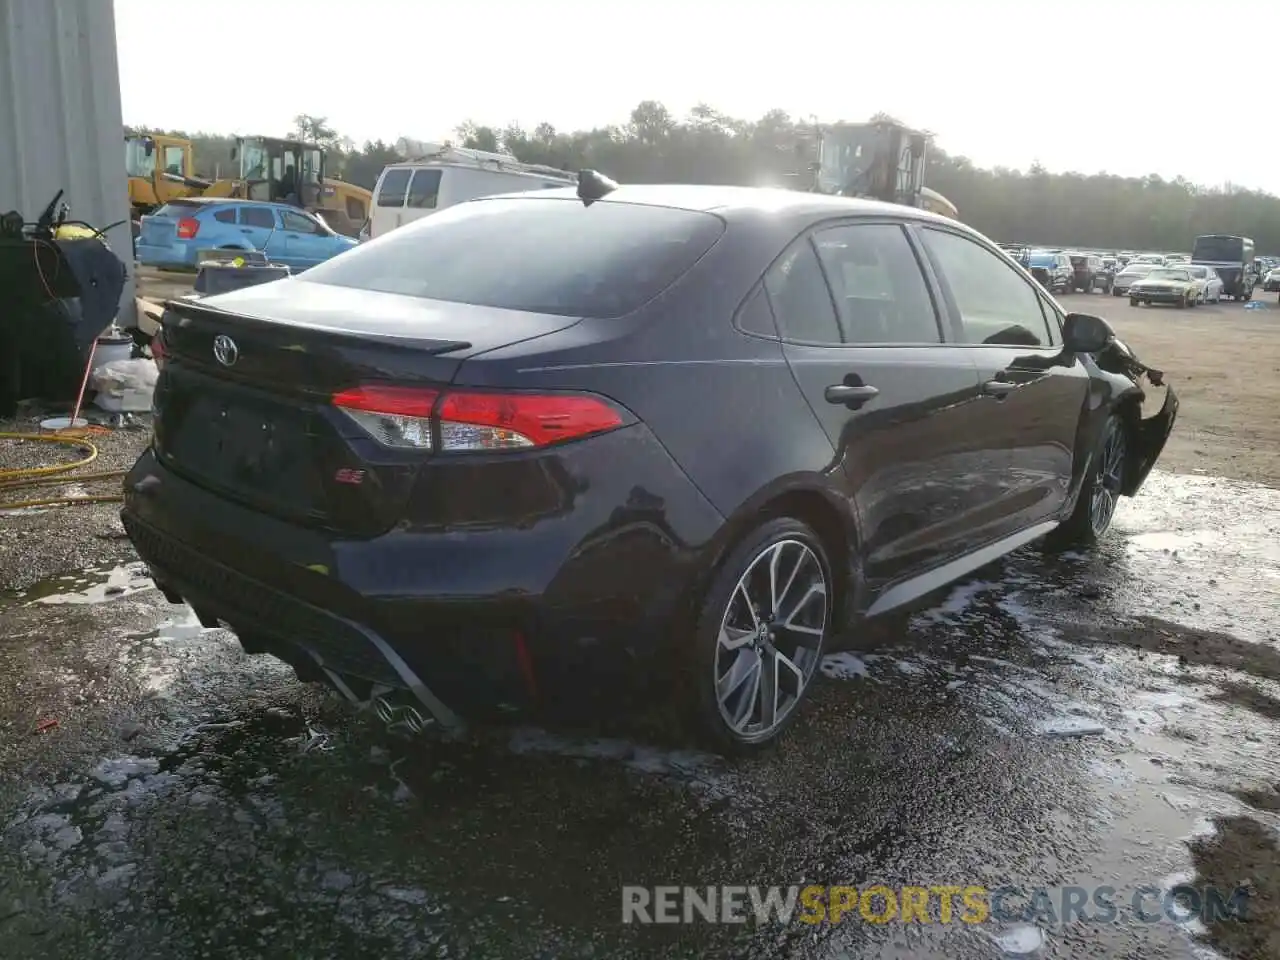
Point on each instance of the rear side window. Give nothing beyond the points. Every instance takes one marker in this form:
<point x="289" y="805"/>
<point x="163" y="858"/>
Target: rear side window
<point x="394" y="185"/>
<point x="424" y="188"/>
<point x="879" y="289"/>
<point x="226" y="216"/>
<point x="258" y="217"/>
<point x="537" y="254"/>
<point x="178" y="210"/>
<point x="800" y="298"/>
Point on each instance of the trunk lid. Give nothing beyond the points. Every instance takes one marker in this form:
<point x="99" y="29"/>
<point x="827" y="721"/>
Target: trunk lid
<point x="261" y="429"/>
<point x="158" y="231"/>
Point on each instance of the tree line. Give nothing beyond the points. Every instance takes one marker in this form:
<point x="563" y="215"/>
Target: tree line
<point x="1035" y="206"/>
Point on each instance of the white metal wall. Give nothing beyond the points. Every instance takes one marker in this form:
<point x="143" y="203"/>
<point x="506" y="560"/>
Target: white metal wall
<point x="60" y="119"/>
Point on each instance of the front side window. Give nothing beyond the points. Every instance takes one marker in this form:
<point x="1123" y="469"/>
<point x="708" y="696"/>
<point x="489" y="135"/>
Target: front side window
<point x="996" y="305"/>
<point x="137" y="163"/>
<point x="533" y="253"/>
<point x="297" y="223"/>
<point x="879" y="289"/>
<point x="394" y="185"/>
<point x="800" y="297"/>
<point x="253" y="162"/>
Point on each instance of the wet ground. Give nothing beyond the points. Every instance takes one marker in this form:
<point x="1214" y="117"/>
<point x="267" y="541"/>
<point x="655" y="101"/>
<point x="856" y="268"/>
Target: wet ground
<point x="1109" y="719"/>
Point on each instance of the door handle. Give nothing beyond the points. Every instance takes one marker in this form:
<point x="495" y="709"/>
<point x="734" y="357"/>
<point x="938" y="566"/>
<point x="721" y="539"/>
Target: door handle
<point x="847" y="393"/>
<point x="998" y="388"/>
<point x="246" y="229"/>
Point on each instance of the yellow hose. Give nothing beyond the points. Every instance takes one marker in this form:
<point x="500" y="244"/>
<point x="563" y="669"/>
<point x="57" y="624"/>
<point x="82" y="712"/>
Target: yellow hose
<point x="21" y="479"/>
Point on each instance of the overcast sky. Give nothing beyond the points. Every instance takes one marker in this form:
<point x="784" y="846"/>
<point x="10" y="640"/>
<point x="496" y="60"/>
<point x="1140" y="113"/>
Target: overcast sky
<point x="1131" y="88"/>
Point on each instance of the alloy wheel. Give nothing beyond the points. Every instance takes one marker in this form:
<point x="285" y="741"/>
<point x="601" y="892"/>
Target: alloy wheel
<point x="770" y="638"/>
<point x="1106" y="488"/>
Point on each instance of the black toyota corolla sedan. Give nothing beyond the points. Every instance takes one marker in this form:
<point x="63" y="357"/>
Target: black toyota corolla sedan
<point x="692" y="431"/>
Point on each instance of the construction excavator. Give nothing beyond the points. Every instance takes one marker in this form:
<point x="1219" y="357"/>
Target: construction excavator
<point x="293" y="171"/>
<point x="878" y="160"/>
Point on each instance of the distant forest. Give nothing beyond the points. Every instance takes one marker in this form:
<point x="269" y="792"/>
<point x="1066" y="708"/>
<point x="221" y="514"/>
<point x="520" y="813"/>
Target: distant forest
<point x="1035" y="206"/>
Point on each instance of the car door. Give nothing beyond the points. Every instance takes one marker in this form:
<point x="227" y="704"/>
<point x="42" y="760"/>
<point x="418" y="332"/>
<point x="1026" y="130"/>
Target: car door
<point x="1034" y="392"/>
<point x="258" y="227"/>
<point x="862" y="335"/>
<point x="305" y="238"/>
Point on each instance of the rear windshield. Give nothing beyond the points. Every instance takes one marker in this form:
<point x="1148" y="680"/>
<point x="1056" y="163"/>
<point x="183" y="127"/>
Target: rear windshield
<point x="1219" y="248"/>
<point x="177" y="209"/>
<point x="537" y="254"/>
<point x="1139" y="268"/>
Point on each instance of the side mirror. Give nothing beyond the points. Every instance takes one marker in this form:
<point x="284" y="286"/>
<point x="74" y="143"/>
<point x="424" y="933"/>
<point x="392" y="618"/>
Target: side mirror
<point x="150" y="147"/>
<point x="1084" y="333"/>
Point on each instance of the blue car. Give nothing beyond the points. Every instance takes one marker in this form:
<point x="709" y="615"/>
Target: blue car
<point x="174" y="235"/>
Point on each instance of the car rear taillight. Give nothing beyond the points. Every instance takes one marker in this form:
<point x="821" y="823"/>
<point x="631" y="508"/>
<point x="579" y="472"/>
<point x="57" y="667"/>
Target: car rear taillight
<point x="157" y="349"/>
<point x="471" y="420"/>
<point x="188" y="228"/>
<point x="394" y="416"/>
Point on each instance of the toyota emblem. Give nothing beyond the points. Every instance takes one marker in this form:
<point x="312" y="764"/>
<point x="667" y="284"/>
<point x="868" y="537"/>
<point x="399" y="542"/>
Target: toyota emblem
<point x="225" y="350"/>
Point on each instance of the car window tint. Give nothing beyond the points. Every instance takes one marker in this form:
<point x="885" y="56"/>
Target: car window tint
<point x="996" y="304"/>
<point x="424" y="189"/>
<point x="1054" y="317"/>
<point x="258" y="217"/>
<point x="755" y="316"/>
<point x="799" y="296"/>
<point x="534" y="253"/>
<point x="225" y="216"/>
<point x="878" y="286"/>
<point x="297" y="223"/>
<point x="392" y="189"/>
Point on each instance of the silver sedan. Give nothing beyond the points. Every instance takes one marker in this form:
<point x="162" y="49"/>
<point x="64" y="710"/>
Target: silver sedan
<point x="1208" y="283"/>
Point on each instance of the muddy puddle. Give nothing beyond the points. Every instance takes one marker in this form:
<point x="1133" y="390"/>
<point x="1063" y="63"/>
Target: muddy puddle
<point x="1059" y="722"/>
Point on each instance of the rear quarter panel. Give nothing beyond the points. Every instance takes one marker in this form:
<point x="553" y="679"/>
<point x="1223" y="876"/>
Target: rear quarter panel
<point x="722" y="402"/>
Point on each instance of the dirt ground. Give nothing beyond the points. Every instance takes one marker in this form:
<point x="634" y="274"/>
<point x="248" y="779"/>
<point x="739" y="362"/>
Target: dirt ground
<point x="1224" y="363"/>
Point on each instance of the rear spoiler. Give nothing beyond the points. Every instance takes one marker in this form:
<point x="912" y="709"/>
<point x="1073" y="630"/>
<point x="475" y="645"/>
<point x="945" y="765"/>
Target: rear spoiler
<point x="196" y="310"/>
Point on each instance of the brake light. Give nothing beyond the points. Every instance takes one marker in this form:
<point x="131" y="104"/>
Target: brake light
<point x="468" y="420"/>
<point x="157" y="349"/>
<point x="188" y="228"/>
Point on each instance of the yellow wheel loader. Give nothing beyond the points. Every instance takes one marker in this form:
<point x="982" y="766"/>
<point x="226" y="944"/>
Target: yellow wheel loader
<point x="878" y="160"/>
<point x="292" y="171"/>
<point x="160" y="169"/>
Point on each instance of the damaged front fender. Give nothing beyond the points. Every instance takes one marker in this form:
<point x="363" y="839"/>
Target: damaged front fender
<point x="1147" y="441"/>
<point x="1148" y="435"/>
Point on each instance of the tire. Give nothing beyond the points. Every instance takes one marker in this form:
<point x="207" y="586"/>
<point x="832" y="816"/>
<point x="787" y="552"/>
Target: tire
<point x="725" y="618"/>
<point x="1133" y="301"/>
<point x="1101" y="485"/>
<point x="1248" y="295"/>
<point x="1116" y="293"/>
<point x="1182" y="302"/>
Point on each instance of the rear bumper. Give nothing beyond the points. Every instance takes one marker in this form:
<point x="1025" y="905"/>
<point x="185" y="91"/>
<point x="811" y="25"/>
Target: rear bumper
<point x="481" y="615"/>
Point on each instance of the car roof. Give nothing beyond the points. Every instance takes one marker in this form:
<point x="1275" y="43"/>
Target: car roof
<point x="740" y="202"/>
<point x="215" y="201"/>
